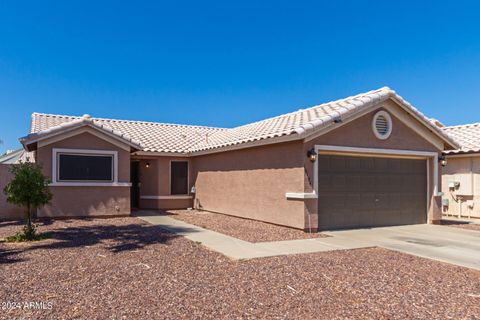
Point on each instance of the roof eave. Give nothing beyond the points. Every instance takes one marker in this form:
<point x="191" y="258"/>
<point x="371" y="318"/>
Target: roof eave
<point x="287" y="137"/>
<point x="30" y="141"/>
<point x="142" y="153"/>
<point x="461" y="152"/>
<point x="312" y="128"/>
<point x="452" y="144"/>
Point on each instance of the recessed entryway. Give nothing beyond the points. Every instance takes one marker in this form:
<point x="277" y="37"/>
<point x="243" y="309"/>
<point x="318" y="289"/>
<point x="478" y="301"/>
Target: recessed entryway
<point x="135" y="188"/>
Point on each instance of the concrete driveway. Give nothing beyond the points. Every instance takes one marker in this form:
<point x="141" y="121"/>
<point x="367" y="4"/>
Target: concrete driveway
<point x="442" y="243"/>
<point x="447" y="244"/>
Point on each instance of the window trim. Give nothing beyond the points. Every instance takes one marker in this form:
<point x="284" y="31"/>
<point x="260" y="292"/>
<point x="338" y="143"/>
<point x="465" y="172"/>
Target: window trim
<point x="59" y="164"/>
<point x="55" y="167"/>
<point x="170" y="178"/>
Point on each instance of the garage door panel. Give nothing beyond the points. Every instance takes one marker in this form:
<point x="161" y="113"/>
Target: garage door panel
<point x="335" y="201"/>
<point x="367" y="185"/>
<point x="339" y="183"/>
<point x="354" y="200"/>
<point x="369" y="191"/>
<point x="382" y="201"/>
<point x="383" y="183"/>
<point x="368" y="201"/>
<point x="338" y="165"/>
<point x="324" y="182"/>
<point x="399" y="201"/>
<point x="380" y="165"/>
<point x="415" y="184"/>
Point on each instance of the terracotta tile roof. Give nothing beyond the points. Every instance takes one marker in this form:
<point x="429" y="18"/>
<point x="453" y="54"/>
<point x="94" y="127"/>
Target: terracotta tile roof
<point x="159" y="137"/>
<point x="306" y="121"/>
<point x="149" y="136"/>
<point x="467" y="135"/>
<point x="48" y="128"/>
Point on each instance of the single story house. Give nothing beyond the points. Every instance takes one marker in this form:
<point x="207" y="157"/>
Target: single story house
<point x="461" y="175"/>
<point x="9" y="211"/>
<point x="367" y="160"/>
<point x="15" y="156"/>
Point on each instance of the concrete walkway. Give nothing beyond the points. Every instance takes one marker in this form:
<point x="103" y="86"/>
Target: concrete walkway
<point x="442" y="243"/>
<point x="238" y="249"/>
<point x="456" y="246"/>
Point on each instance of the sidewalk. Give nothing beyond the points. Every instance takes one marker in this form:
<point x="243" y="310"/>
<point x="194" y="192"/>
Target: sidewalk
<point x="238" y="249"/>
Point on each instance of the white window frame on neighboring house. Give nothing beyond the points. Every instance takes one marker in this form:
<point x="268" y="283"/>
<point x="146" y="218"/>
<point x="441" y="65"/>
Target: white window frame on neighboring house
<point x="55" y="168"/>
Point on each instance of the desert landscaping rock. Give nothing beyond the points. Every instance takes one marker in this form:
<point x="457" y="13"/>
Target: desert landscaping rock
<point x="467" y="226"/>
<point x="244" y="229"/>
<point x="97" y="269"/>
<point x="463" y="225"/>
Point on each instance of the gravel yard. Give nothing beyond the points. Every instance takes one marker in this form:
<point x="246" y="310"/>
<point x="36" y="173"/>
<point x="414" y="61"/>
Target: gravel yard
<point x="99" y="269"/>
<point x="245" y="229"/>
<point x="467" y="226"/>
<point x="462" y="225"/>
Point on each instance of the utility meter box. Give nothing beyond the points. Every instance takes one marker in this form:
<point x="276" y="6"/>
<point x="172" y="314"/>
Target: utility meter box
<point x="465" y="187"/>
<point x="470" y="204"/>
<point x="445" y="202"/>
<point x="453" y="185"/>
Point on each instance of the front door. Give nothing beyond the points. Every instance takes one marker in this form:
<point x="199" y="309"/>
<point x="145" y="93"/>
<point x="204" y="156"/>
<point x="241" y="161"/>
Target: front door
<point x="135" y="180"/>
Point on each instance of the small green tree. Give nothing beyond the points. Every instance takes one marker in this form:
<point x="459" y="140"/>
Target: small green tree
<point x="28" y="188"/>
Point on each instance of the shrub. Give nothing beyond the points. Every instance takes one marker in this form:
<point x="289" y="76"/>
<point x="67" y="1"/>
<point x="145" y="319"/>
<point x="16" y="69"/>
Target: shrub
<point x="27" y="235"/>
<point x="28" y="188"/>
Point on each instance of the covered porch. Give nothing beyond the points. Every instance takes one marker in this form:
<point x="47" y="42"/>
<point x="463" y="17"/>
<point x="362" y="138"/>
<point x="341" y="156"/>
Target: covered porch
<point x="160" y="182"/>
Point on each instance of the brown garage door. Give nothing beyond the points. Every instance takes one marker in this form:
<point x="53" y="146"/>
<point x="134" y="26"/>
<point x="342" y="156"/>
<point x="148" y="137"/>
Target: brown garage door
<point x="367" y="191"/>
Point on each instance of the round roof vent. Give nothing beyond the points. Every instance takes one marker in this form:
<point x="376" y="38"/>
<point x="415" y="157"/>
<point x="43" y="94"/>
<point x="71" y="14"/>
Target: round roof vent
<point x="382" y="125"/>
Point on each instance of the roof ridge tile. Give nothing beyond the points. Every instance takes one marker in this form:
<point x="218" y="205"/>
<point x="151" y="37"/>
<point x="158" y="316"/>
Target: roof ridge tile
<point x="475" y="124"/>
<point x="128" y="121"/>
<point x="163" y="137"/>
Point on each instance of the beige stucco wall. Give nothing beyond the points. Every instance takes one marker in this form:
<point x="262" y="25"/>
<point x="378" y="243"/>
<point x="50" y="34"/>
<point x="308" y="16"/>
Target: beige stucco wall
<point x="358" y="133"/>
<point x="249" y="183"/>
<point x="252" y="183"/>
<point x="155" y="181"/>
<point x="7" y="210"/>
<point x="466" y="171"/>
<point x="86" y="201"/>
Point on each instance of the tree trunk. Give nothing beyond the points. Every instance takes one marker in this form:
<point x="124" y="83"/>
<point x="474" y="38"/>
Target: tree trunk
<point x="29" y="217"/>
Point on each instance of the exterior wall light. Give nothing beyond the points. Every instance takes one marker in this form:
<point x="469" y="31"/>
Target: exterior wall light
<point x="312" y="155"/>
<point x="442" y="160"/>
<point x="147" y="165"/>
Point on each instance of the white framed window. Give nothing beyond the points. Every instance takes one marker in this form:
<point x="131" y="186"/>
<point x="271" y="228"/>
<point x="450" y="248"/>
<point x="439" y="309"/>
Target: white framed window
<point x="382" y="125"/>
<point x="179" y="177"/>
<point x="82" y="167"/>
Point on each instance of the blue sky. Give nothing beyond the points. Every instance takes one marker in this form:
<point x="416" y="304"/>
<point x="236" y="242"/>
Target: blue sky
<point x="226" y="63"/>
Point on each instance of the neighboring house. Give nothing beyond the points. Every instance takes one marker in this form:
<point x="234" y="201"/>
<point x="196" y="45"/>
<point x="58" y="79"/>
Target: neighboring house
<point x="461" y="175"/>
<point x="7" y="210"/>
<point x="366" y="160"/>
<point x="16" y="156"/>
